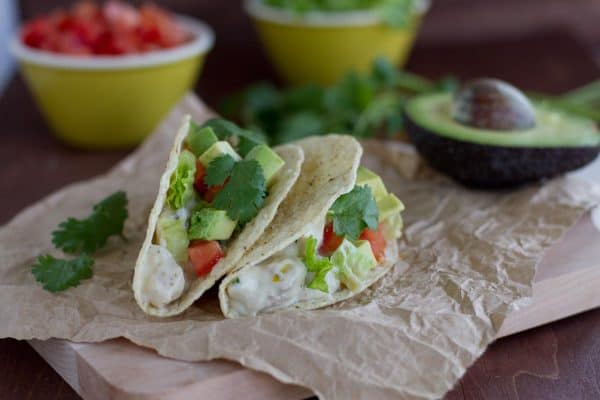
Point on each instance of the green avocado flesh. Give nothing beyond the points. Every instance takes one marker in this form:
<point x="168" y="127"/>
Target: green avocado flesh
<point x="371" y="179"/>
<point x="270" y="161"/>
<point x="553" y="128"/>
<point x="200" y="139"/>
<point x="211" y="224"/>
<point x="387" y="203"/>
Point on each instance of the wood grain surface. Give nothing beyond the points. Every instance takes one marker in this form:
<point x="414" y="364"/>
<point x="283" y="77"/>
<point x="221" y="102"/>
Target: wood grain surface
<point x="556" y="361"/>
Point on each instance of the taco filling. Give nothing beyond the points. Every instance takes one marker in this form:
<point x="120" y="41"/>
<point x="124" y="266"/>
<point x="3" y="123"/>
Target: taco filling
<point x="220" y="183"/>
<point x="338" y="253"/>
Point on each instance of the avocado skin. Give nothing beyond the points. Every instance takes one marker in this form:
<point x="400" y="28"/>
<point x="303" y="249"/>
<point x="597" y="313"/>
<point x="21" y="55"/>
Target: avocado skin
<point x="495" y="167"/>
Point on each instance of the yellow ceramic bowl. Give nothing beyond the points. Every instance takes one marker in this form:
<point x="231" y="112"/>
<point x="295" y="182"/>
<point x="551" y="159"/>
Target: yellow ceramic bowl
<point x="111" y="102"/>
<point x="321" y="47"/>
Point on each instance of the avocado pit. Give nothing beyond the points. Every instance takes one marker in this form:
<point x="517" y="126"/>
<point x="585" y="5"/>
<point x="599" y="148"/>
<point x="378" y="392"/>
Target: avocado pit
<point x="494" y="105"/>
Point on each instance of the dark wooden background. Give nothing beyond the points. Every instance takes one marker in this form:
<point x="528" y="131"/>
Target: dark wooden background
<point x="545" y="45"/>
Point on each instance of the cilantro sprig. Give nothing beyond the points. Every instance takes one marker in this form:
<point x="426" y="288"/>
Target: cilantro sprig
<point x="353" y="212"/>
<point x="89" y="234"/>
<point x="56" y="275"/>
<point x="244" y="193"/>
<point x="226" y="130"/>
<point x="362" y="105"/>
<point x="219" y="170"/>
<point x="81" y="237"/>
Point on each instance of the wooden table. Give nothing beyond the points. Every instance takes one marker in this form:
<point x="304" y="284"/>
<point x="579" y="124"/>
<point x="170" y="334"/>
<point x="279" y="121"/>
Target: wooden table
<point x="556" y="361"/>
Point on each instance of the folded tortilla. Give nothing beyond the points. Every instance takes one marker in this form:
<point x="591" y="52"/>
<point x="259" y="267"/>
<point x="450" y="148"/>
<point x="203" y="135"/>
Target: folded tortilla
<point x="237" y="245"/>
<point x="329" y="170"/>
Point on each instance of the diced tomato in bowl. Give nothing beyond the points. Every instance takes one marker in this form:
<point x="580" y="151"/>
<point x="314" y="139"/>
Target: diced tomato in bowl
<point x="100" y="81"/>
<point x="115" y="28"/>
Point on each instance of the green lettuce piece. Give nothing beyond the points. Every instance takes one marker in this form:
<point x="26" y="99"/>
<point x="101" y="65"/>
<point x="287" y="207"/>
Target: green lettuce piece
<point x="354" y="261"/>
<point x="314" y="262"/>
<point x="173" y="235"/>
<point x="181" y="185"/>
<point x="392" y="228"/>
<point x="319" y="265"/>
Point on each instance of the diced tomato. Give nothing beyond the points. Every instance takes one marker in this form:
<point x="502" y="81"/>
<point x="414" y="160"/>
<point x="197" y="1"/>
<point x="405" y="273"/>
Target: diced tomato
<point x="199" y="184"/>
<point x="212" y="191"/>
<point x="331" y="241"/>
<point x="208" y="193"/>
<point x="35" y="31"/>
<point x="376" y="240"/>
<point x="87" y="10"/>
<point x="113" y="29"/>
<point x="204" y="254"/>
<point x="120" y="15"/>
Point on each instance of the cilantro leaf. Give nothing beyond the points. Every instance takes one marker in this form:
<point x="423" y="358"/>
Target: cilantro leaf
<point x="298" y="126"/>
<point x="353" y="212"/>
<point x="219" y="170"/>
<point x="244" y="193"/>
<point x="89" y="234"/>
<point x="226" y="129"/>
<point x="362" y="105"/>
<point x="57" y="275"/>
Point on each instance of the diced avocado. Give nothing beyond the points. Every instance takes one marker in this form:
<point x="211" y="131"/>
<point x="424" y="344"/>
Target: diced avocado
<point x="367" y="177"/>
<point x="270" y="161"/>
<point x="354" y="261"/>
<point x="200" y="139"/>
<point x="389" y="205"/>
<point x="172" y="234"/>
<point x="216" y="150"/>
<point x="211" y="224"/>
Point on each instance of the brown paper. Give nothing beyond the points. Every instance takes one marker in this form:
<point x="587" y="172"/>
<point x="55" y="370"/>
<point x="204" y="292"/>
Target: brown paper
<point x="472" y="258"/>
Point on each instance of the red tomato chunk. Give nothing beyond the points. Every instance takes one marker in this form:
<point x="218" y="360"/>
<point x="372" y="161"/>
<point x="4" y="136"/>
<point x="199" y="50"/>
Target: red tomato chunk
<point x="376" y="240"/>
<point x="114" y="28"/>
<point x="331" y="241"/>
<point x="204" y="254"/>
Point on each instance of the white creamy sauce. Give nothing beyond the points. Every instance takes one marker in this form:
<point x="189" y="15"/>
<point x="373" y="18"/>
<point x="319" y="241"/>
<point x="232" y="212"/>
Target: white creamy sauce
<point x="165" y="281"/>
<point x="280" y="281"/>
<point x="185" y="212"/>
<point x="333" y="282"/>
<point x="266" y="287"/>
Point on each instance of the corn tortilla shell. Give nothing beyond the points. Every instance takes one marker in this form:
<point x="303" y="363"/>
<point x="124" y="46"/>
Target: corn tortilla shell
<point x="329" y="170"/>
<point x="293" y="157"/>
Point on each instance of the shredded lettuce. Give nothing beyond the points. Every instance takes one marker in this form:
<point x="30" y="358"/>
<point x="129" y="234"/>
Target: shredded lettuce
<point x="319" y="265"/>
<point x="353" y="262"/>
<point x="181" y="186"/>
<point x="172" y="234"/>
<point x="392" y="228"/>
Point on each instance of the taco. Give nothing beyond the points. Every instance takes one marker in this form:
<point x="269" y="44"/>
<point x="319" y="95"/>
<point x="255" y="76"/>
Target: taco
<point x="334" y="235"/>
<point x="221" y="189"/>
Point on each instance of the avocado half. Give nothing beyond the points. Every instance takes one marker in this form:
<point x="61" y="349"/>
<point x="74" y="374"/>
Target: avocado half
<point x="484" y="158"/>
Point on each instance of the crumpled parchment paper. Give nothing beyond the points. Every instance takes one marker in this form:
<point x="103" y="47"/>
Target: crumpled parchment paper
<point x="471" y="257"/>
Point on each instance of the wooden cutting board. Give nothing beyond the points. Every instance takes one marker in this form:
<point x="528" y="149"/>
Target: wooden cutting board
<point x="566" y="283"/>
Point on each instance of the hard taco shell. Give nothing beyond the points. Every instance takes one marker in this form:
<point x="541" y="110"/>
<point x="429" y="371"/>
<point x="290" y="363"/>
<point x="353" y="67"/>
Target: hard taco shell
<point x="293" y="157"/>
<point x="329" y="170"/>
